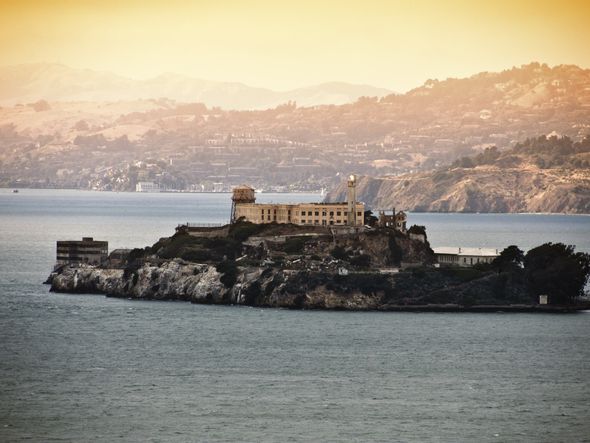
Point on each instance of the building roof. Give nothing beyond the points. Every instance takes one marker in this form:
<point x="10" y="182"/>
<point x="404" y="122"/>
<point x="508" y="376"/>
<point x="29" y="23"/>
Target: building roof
<point x="121" y="251"/>
<point x="460" y="251"/>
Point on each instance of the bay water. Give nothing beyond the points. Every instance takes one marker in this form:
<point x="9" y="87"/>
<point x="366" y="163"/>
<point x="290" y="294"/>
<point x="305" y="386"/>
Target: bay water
<point x="91" y="368"/>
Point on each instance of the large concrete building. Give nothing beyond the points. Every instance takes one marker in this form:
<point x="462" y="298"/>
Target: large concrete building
<point x="88" y="251"/>
<point x="349" y="213"/>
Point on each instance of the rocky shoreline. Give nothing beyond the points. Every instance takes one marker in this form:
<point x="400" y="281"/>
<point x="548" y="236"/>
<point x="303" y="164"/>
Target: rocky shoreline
<point x="260" y="287"/>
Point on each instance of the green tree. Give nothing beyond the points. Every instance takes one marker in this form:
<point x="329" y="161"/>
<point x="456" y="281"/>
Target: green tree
<point x="417" y="229"/>
<point x="370" y="219"/>
<point x="510" y="259"/>
<point x="556" y="270"/>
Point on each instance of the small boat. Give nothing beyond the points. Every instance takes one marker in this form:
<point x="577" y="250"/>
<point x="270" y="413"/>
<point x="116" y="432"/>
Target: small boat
<point x="15" y="191"/>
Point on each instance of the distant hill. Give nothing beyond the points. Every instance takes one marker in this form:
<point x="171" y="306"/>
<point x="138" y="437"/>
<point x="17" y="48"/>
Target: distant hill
<point x="107" y="145"/>
<point x="544" y="174"/>
<point x="56" y="82"/>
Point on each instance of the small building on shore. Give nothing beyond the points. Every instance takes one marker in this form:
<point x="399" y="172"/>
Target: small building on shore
<point x="85" y="251"/>
<point x="464" y="257"/>
<point x="147" y="187"/>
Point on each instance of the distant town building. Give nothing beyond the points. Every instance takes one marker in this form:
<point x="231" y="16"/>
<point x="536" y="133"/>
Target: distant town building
<point x="147" y="187"/>
<point x="464" y="257"/>
<point x="349" y="213"/>
<point x="87" y="251"/>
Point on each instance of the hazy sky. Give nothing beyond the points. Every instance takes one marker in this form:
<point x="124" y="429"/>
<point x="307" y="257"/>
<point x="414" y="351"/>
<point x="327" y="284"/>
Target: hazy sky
<point x="286" y="44"/>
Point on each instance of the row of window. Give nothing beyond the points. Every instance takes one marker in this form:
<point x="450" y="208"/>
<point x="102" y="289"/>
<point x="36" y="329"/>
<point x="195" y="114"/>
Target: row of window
<point x="311" y="213"/>
<point x="324" y="213"/>
<point x="324" y="223"/>
<point x="454" y="258"/>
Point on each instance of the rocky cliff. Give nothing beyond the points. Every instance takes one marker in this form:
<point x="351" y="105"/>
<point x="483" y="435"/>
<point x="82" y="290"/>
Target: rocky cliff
<point x="197" y="283"/>
<point x="478" y="190"/>
<point x="540" y="175"/>
<point x="414" y="290"/>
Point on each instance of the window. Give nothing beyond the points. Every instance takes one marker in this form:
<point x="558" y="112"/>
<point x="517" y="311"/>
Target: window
<point x="359" y="213"/>
<point x="338" y="213"/>
<point x="317" y="213"/>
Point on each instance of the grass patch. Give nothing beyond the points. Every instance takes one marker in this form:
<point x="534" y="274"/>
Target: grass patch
<point x="294" y="245"/>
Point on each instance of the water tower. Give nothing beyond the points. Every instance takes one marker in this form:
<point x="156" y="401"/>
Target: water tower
<point x="240" y="195"/>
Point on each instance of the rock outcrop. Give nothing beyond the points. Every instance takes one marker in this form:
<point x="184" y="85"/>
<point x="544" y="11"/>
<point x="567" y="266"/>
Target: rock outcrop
<point x="415" y="290"/>
<point x="170" y="280"/>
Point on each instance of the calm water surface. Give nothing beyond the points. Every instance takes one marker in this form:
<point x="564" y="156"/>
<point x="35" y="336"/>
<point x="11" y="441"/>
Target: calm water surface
<point x="90" y="368"/>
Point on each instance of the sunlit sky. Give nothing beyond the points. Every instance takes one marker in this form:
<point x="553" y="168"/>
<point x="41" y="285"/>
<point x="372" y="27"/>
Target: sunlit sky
<point x="287" y="44"/>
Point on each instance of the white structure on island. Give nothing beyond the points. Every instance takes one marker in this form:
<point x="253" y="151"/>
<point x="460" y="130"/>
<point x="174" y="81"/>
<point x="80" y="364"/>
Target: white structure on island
<point x="465" y="257"/>
<point x="147" y="187"/>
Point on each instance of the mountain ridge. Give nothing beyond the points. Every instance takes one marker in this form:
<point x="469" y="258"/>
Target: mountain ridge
<point x="58" y="82"/>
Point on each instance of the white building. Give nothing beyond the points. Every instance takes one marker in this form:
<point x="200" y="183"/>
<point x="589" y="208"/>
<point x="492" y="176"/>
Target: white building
<point x="147" y="187"/>
<point x="465" y="257"/>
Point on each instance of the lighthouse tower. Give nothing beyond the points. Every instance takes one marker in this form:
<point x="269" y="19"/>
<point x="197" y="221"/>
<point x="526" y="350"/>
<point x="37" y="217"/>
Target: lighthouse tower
<point x="351" y="199"/>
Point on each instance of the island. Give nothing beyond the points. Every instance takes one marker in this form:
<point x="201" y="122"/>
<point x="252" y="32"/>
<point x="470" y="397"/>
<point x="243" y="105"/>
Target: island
<point x="319" y="261"/>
